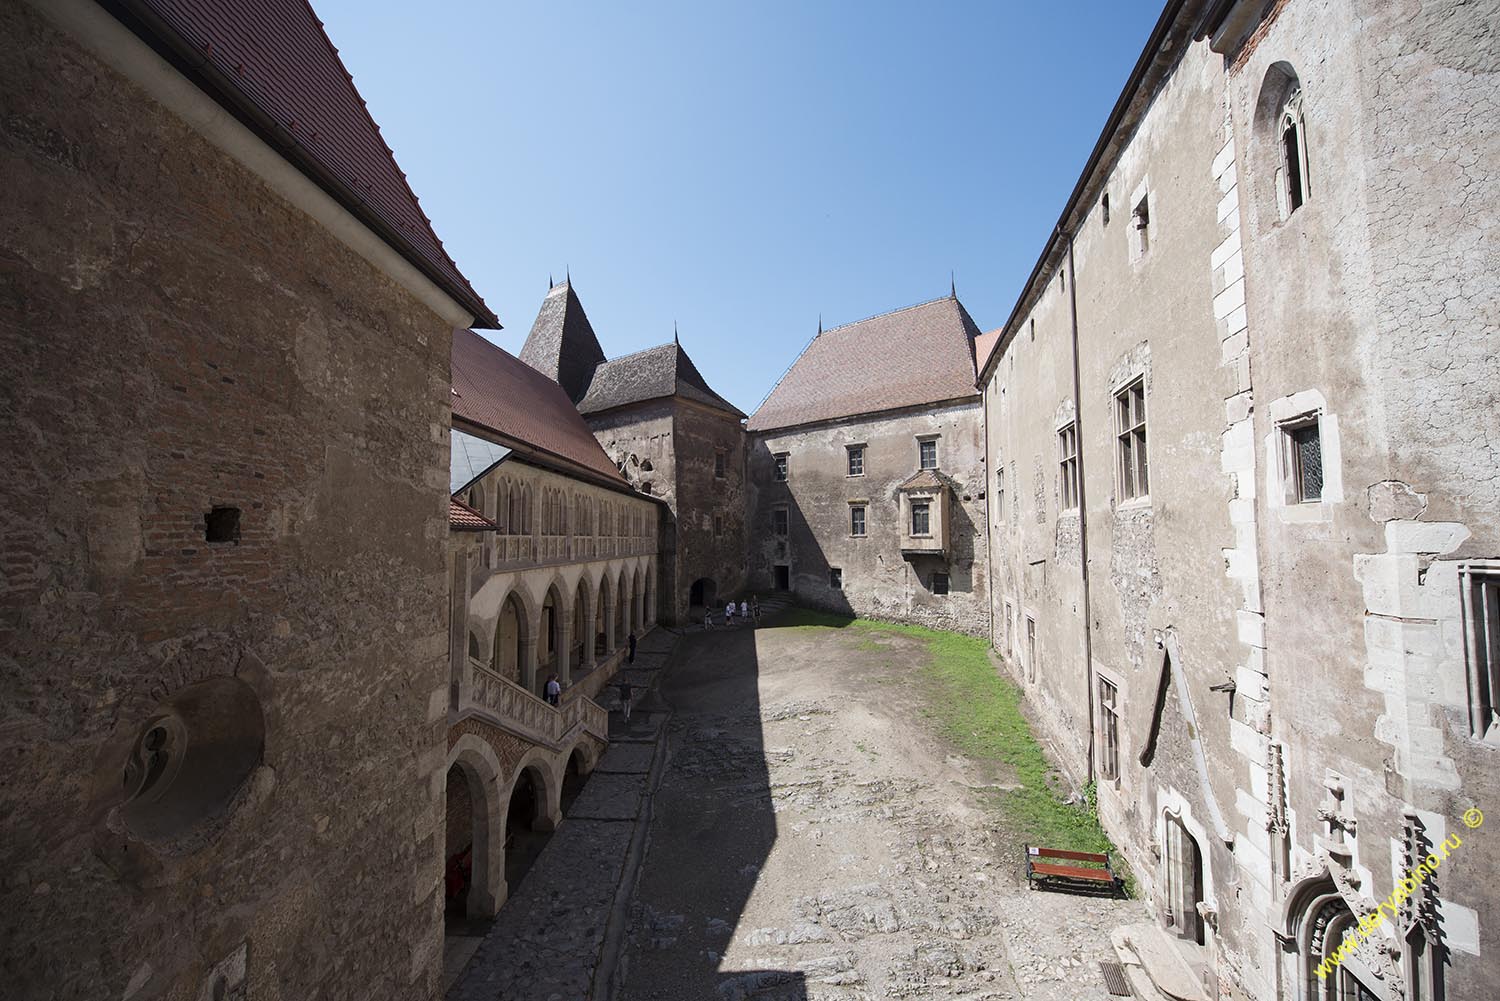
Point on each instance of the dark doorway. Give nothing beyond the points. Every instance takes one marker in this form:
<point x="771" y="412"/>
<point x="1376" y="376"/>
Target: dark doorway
<point x="783" y="578"/>
<point x="703" y="594"/>
<point x="524" y="840"/>
<point x="459" y="856"/>
<point x="573" y="780"/>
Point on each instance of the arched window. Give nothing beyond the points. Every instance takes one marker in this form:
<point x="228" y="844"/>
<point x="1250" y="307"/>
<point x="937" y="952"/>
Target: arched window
<point x="1292" y="186"/>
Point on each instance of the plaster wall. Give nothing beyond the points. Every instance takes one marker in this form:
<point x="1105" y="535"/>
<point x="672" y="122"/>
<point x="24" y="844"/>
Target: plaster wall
<point x="135" y="401"/>
<point x="878" y="582"/>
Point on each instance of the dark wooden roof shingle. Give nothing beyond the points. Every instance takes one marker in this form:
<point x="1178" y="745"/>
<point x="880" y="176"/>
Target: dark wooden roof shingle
<point x="562" y="345"/>
<point x="662" y="371"/>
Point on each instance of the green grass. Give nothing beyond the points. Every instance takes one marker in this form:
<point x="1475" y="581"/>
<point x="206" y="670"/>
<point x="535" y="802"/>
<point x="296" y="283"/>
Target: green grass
<point x="980" y="713"/>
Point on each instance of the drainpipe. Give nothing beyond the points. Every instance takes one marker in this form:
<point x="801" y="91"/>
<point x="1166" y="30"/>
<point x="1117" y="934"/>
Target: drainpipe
<point x="1083" y="505"/>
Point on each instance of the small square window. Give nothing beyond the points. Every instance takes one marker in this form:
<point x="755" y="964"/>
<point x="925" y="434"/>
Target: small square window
<point x="781" y="468"/>
<point x="719" y="464"/>
<point x="856" y="460"/>
<point x="921" y="520"/>
<point x="927" y="453"/>
<point x="857" y="520"/>
<point x="939" y="583"/>
<point x="779" y="521"/>
<point x="836" y="578"/>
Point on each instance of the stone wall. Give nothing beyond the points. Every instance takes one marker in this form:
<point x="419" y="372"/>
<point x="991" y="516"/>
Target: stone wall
<point x="711" y="525"/>
<point x="167" y="356"/>
<point x="878" y="581"/>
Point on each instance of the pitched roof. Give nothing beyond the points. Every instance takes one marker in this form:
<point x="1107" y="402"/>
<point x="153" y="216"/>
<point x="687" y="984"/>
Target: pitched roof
<point x="984" y="346"/>
<point x="562" y="345"/>
<point x="273" y="66"/>
<point x="665" y="370"/>
<point x="496" y="390"/>
<point x="920" y="354"/>
<point x="470" y="457"/>
<point x="463" y="518"/>
<point x="925" y="479"/>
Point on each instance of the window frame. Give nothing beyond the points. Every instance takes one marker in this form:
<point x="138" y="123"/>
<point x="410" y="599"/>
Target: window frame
<point x="1293" y="470"/>
<point x="853" y="454"/>
<point x="925" y="506"/>
<point x="923" y="444"/>
<point x="721" y="464"/>
<point x="782" y="467"/>
<point x="1132" y="455"/>
<point x="781" y="521"/>
<point x="1030" y="648"/>
<point x="1291" y="119"/>
<point x="947" y="580"/>
<point x="836" y="578"/>
<point x="1109" y="728"/>
<point x="1067" y="472"/>
<point x="999" y="488"/>
<point x="859" y="513"/>
<point x="1479" y="595"/>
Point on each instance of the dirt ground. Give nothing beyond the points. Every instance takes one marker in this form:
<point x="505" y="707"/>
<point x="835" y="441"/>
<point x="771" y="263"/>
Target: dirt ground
<point x="813" y="838"/>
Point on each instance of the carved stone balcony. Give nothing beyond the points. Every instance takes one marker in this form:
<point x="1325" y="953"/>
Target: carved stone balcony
<point x="925" y="509"/>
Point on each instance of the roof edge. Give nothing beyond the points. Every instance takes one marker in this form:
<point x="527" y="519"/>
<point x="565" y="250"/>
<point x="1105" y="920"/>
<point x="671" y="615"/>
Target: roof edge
<point x="974" y="397"/>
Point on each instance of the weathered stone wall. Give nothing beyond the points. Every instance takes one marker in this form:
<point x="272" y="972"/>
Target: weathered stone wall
<point x="711" y="522"/>
<point x="166" y="355"/>
<point x="640" y="440"/>
<point x="1374" y="306"/>
<point x="878" y="582"/>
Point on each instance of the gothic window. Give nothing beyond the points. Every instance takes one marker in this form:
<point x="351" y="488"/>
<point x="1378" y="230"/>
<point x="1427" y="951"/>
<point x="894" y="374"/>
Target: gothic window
<point x="1130" y="440"/>
<point x="1109" y="730"/>
<point x="1183" y="886"/>
<point x="1067" y="461"/>
<point x="1292" y="185"/>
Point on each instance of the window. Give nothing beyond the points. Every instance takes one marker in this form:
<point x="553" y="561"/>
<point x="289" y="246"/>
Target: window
<point x="1302" y="460"/>
<point x="1292" y="187"/>
<point x="1030" y="648"/>
<point x="1479" y="586"/>
<point x="921" y="522"/>
<point x="999" y="489"/>
<point x="1067" y="461"/>
<point x="1130" y="437"/>
<point x="1009" y="632"/>
<point x="836" y="578"/>
<point x="856" y="460"/>
<point x="718" y="524"/>
<point x="927" y="453"/>
<point x="719" y="464"/>
<point x="1140" y="228"/>
<point x="857" y="520"/>
<point x="939" y="583"/>
<point x="781" y="468"/>
<point x="1104" y="207"/>
<point x="778" y="521"/>
<point x="1109" y="731"/>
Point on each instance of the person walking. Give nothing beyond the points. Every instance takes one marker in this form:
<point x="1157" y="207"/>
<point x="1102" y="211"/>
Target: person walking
<point x="745" y="610"/>
<point x="630" y="652"/>
<point x="729" y="614"/>
<point x="755" y="608"/>
<point x="554" y="691"/>
<point x="624" y="688"/>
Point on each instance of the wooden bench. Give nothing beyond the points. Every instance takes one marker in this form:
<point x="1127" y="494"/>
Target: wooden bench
<point x="1095" y="876"/>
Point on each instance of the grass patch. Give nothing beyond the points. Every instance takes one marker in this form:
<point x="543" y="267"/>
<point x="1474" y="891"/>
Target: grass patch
<point x="980" y="713"/>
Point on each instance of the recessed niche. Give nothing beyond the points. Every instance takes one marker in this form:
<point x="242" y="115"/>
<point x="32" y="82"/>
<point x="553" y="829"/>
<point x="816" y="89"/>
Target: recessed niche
<point x="222" y="524"/>
<point x="189" y="762"/>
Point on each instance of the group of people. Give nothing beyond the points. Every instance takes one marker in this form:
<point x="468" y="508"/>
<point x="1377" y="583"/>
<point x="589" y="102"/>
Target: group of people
<point x="745" y="611"/>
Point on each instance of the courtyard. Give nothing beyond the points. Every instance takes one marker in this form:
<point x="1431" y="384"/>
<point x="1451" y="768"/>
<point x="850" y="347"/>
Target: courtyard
<point x="841" y="816"/>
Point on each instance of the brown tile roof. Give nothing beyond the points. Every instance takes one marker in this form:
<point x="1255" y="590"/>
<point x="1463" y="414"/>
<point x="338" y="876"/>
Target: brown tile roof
<point x="925" y="479"/>
<point x="984" y="346"/>
<point x="906" y="358"/>
<point x="496" y="390"/>
<point x="463" y="518"/>
<point x="665" y="370"/>
<point x="272" y="65"/>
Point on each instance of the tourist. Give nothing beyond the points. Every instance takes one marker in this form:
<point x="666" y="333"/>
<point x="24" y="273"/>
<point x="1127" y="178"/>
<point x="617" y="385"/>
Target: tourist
<point x="708" y="620"/>
<point x="624" y="688"/>
<point x="554" y="691"/>
<point x="630" y="653"/>
<point x="745" y="610"/>
<point x="755" y="608"/>
<point x="729" y="614"/>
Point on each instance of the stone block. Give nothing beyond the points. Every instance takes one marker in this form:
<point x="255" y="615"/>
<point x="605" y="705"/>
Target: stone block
<point x="1424" y="536"/>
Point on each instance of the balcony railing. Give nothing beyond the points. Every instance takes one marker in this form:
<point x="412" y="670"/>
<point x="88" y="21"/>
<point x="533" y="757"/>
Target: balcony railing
<point x="514" y="551"/>
<point x="511" y="707"/>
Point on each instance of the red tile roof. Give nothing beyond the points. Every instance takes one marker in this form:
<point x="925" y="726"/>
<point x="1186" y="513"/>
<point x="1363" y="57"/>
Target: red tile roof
<point x="984" y="346"/>
<point x="465" y="519"/>
<point x="272" y="64"/>
<point x="906" y="358"/>
<point x="496" y="390"/>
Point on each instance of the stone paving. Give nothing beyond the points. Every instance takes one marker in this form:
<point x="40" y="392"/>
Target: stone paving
<point x="811" y="839"/>
<point x="548" y="939"/>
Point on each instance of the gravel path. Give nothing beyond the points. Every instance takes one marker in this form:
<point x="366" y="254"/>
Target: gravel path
<point x="812" y="839"/>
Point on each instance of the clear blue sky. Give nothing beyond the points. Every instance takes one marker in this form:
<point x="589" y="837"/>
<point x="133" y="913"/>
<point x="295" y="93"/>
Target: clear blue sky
<point x="740" y="168"/>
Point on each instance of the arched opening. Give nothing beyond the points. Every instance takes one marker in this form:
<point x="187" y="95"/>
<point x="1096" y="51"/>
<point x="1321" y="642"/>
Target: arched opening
<point x="458" y="876"/>
<point x="574" y="778"/>
<point x="509" y="654"/>
<point x="1279" y="154"/>
<point x="549" y="653"/>
<point x="622" y="610"/>
<point x="1320" y="921"/>
<point x="603" y="607"/>
<point x="526" y="829"/>
<point x="1183" y="883"/>
<point x="649" y="612"/>
<point x="638" y="603"/>
<point x="704" y="594"/>
<point x="581" y="627"/>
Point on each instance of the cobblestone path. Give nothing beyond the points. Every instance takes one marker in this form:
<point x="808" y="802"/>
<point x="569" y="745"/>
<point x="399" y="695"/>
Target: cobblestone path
<point x="812" y="839"/>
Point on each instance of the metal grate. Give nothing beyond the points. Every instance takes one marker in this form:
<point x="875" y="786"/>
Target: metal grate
<point x="1114" y="979"/>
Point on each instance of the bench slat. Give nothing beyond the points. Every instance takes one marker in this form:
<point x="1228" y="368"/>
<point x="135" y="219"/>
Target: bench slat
<point x="1071" y="872"/>
<point x="1035" y="852"/>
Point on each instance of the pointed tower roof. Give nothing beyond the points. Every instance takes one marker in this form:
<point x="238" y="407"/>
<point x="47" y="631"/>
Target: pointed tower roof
<point x="662" y="371"/>
<point x="562" y="345"/>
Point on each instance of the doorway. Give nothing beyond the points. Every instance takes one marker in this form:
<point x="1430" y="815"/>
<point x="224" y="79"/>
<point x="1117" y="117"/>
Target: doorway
<point x="783" y="577"/>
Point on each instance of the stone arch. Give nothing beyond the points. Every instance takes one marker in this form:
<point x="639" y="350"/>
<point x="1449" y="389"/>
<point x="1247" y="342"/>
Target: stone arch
<point x="581" y="656"/>
<point x="604" y="616"/>
<point x="1315" y="917"/>
<point x="622" y="607"/>
<point x="532" y="807"/>
<point x="579" y="761"/>
<point x="472" y="761"/>
<point x="513" y="653"/>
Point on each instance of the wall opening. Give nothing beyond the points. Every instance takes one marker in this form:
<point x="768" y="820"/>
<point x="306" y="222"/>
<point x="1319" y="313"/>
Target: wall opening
<point x="222" y="525"/>
<point x="524" y="837"/>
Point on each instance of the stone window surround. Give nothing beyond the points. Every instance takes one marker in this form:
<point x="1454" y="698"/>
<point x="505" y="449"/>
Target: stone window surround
<point x="1481" y="677"/>
<point x="925" y="500"/>
<point x="924" y="439"/>
<point x="781" y="466"/>
<point x="1139" y="237"/>
<point x="1031" y="656"/>
<point x="1136" y="375"/>
<point x="1122" y="754"/>
<point x="861" y="504"/>
<point x="849" y="456"/>
<point x="1287" y="413"/>
<point x="1171" y="803"/>
<point x="1067" y="472"/>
